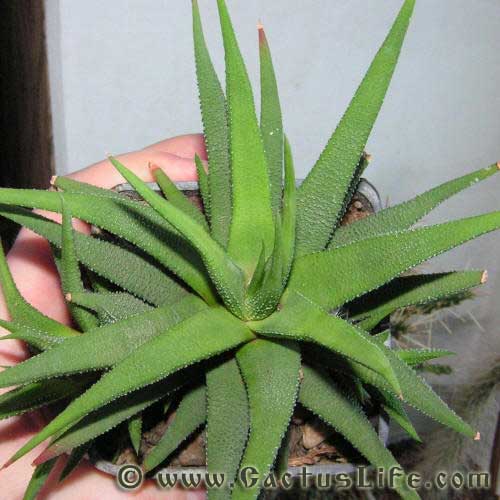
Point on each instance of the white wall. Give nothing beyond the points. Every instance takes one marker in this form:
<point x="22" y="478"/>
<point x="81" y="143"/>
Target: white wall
<point x="122" y="76"/>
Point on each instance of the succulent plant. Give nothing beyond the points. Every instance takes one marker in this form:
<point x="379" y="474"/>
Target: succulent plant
<point x="260" y="303"/>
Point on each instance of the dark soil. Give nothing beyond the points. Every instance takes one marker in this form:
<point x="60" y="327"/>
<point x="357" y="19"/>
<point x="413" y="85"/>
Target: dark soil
<point x="359" y="208"/>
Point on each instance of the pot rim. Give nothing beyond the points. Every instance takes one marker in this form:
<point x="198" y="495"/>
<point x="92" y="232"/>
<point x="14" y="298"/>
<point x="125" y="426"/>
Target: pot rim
<point x="365" y="187"/>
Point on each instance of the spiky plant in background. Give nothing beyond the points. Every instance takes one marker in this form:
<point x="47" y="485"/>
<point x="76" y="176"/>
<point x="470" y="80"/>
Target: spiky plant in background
<point x="239" y="311"/>
<point x="414" y="325"/>
<point x="479" y="400"/>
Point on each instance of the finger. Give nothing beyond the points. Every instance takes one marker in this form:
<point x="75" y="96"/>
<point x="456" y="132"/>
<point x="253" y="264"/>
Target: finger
<point x="103" y="174"/>
<point x="97" y="485"/>
<point x="93" y="484"/>
<point x="185" y="146"/>
<point x="14" y="432"/>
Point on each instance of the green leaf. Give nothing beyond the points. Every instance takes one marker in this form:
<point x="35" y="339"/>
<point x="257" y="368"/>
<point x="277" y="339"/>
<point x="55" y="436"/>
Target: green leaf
<point x="110" y="306"/>
<point x="271" y="124"/>
<point x="271" y="374"/>
<point x="404" y="215"/>
<point x="226" y="275"/>
<point x="394" y="408"/>
<point x="383" y="337"/>
<point x="227" y="423"/>
<point x="386" y="256"/>
<point x="109" y="416"/>
<point x="101" y="347"/>
<point x="190" y="414"/>
<point x="74" y="460"/>
<point x="321" y="196"/>
<point x="264" y="294"/>
<point x="177" y="198"/>
<point x="436" y="369"/>
<point x="302" y="320"/>
<point x="25" y="313"/>
<point x="71" y="279"/>
<point x="202" y="336"/>
<point x="37" y="394"/>
<point x="216" y="131"/>
<point x="99" y="284"/>
<point x="38" y="339"/>
<point x="205" y="191"/>
<point x="38" y="479"/>
<point x="415" y="357"/>
<point x="402" y="419"/>
<point x="117" y="264"/>
<point x="130" y="220"/>
<point x="288" y="212"/>
<point x="417" y="392"/>
<point x="250" y="221"/>
<point x="321" y="395"/>
<point x="135" y="431"/>
<point x="259" y="273"/>
<point x="281" y="465"/>
<point x="410" y="290"/>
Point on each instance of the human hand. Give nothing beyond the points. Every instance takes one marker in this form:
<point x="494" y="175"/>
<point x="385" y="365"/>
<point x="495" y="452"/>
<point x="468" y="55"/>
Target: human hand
<point x="32" y="267"/>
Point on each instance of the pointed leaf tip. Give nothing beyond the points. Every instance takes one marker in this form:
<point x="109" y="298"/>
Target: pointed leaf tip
<point x="9" y="462"/>
<point x="43" y="457"/>
<point x="323" y="191"/>
<point x="271" y="121"/>
<point x="262" y="34"/>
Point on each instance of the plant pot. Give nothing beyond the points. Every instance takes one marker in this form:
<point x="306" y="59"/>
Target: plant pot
<point x="366" y="200"/>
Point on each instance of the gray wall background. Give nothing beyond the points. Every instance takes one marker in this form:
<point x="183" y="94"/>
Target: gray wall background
<point x="122" y="76"/>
